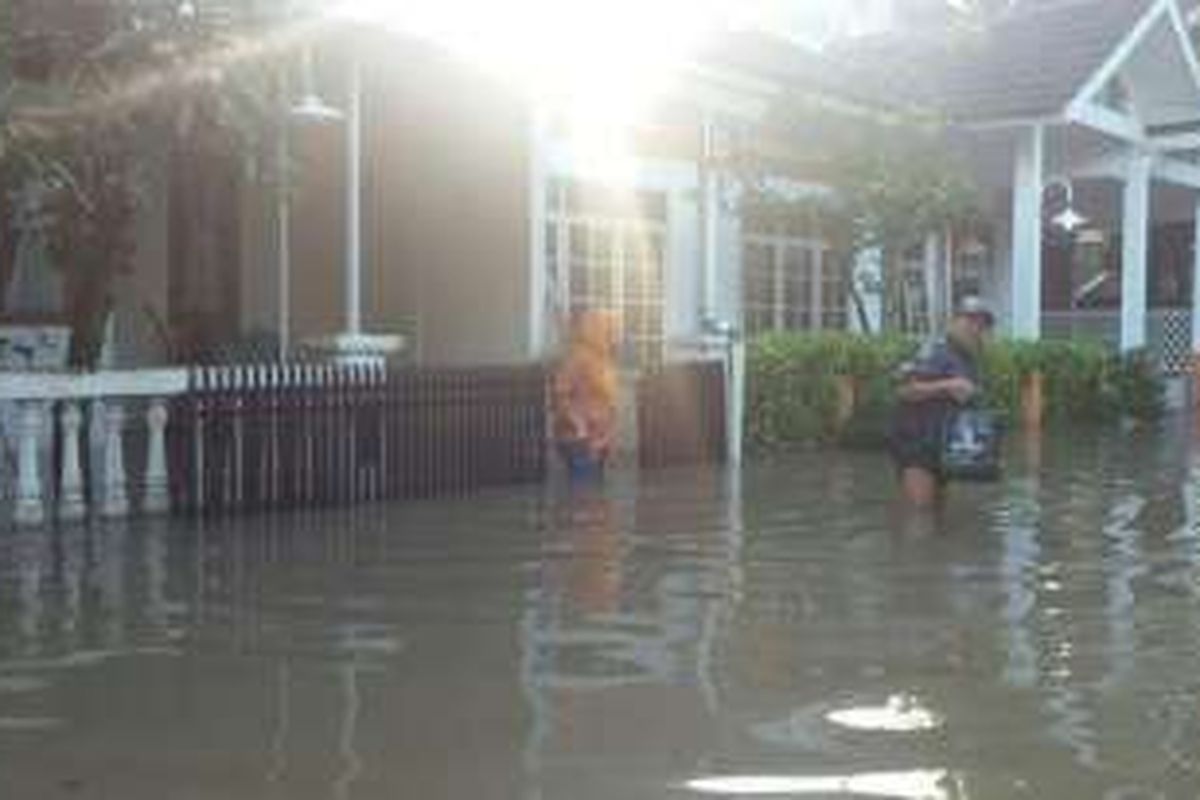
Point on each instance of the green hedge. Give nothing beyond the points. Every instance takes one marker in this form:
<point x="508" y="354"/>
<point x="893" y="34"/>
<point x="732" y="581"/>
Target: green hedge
<point x="793" y="384"/>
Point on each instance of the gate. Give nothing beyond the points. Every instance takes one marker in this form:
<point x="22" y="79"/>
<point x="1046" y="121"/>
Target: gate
<point x="681" y="415"/>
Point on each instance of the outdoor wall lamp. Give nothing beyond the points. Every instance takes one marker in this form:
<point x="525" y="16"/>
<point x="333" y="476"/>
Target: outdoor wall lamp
<point x="1068" y="219"/>
<point x="717" y="327"/>
<point x="310" y="110"/>
<point x="311" y="107"/>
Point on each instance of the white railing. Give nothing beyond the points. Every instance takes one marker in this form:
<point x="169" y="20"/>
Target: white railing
<point x="32" y="400"/>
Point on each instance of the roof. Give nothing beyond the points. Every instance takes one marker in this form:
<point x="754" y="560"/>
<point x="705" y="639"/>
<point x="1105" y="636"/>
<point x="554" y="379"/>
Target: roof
<point x="781" y="60"/>
<point x="1028" y="62"/>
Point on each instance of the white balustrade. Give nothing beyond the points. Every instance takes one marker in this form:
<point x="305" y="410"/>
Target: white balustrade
<point x="116" y="497"/>
<point x="30" y="507"/>
<point x="111" y="393"/>
<point x="156" y="498"/>
<point x="71" y="505"/>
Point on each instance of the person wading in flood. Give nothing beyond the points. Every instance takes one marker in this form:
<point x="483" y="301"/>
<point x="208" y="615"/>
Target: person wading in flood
<point x="943" y="377"/>
<point x="585" y="396"/>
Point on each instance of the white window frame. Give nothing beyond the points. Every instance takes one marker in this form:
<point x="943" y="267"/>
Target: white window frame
<point x="561" y="220"/>
<point x="778" y="245"/>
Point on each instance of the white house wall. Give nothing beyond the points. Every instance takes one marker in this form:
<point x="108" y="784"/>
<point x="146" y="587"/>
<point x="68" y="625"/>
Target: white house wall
<point x="260" y="273"/>
<point x="446" y="206"/>
<point x="448" y="209"/>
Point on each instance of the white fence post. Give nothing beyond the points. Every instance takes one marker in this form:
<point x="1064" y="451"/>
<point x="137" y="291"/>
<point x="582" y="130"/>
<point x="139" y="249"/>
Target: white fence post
<point x="116" y="496"/>
<point x="30" y="509"/>
<point x="71" y="505"/>
<point x="157" y="498"/>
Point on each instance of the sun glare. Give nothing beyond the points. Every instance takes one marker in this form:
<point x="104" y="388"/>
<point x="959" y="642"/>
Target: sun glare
<point x="601" y="66"/>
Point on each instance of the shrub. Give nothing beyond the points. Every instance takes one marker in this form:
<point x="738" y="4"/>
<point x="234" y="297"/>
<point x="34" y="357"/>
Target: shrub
<point x="793" y="384"/>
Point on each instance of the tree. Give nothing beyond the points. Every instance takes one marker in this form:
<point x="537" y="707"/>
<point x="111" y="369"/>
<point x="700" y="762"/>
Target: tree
<point x="891" y="180"/>
<point x="95" y="95"/>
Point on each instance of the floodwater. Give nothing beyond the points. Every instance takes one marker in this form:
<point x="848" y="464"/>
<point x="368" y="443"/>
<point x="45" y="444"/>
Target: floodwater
<point x="786" y="632"/>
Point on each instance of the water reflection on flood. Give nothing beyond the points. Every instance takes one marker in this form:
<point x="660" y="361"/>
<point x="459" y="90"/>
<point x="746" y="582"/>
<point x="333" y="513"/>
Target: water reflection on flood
<point x="787" y="631"/>
<point x="911" y="785"/>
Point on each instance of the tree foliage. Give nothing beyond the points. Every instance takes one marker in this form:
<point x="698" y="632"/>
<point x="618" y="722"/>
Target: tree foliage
<point x="890" y="181"/>
<point x="97" y="95"/>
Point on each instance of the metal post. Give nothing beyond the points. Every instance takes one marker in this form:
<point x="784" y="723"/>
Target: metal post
<point x="709" y="215"/>
<point x="354" y="199"/>
<point x="284" y="244"/>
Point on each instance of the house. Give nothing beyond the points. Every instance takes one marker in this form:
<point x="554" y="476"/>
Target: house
<point x="483" y="223"/>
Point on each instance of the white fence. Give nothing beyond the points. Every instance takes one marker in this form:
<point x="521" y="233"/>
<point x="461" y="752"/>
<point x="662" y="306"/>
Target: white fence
<point x="40" y="409"/>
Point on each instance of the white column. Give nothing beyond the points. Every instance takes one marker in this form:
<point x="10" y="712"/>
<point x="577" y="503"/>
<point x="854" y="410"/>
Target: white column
<point x="710" y="191"/>
<point x="116" y="498"/>
<point x="817" y="276"/>
<point x="868" y="278"/>
<point x="156" y="499"/>
<point x="1196" y="280"/>
<point x="946" y="273"/>
<point x="931" y="265"/>
<point x="70" y="502"/>
<point x="538" y="213"/>
<point x="1135" y="224"/>
<point x="29" y="510"/>
<point x="283" y="233"/>
<point x="354" y="200"/>
<point x="736" y="401"/>
<point x="1026" y="280"/>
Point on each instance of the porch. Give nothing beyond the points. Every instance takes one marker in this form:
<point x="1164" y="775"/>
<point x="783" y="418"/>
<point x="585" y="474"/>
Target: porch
<point x="1168" y="333"/>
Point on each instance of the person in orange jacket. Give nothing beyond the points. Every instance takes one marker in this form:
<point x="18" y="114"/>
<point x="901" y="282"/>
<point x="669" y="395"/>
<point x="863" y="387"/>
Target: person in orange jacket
<point x="585" y="395"/>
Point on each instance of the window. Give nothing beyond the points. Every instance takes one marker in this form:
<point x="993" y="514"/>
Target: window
<point x="790" y="283"/>
<point x="606" y="251"/>
<point x="915" y="293"/>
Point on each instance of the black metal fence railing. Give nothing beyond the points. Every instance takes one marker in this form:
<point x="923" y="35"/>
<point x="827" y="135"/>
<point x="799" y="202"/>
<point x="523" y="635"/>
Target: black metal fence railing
<point x="681" y="415"/>
<point x="305" y="435"/>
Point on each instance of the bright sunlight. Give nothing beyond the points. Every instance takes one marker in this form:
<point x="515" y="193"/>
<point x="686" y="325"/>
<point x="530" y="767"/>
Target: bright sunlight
<point x="599" y="66"/>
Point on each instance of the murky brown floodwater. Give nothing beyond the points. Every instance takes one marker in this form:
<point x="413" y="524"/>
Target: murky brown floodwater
<point x="692" y="636"/>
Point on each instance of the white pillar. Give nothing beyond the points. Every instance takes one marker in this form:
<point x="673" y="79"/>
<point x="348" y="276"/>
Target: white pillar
<point x="29" y="510"/>
<point x="116" y="498"/>
<point x="710" y="191"/>
<point x="1196" y="279"/>
<point x="157" y="498"/>
<point x="1135" y="225"/>
<point x="539" y="283"/>
<point x="283" y="233"/>
<point x="70" y="502"/>
<point x="816" y="277"/>
<point x="868" y="280"/>
<point x="945" y="273"/>
<point x="354" y="200"/>
<point x="736" y="402"/>
<point x="931" y="264"/>
<point x="1026" y="280"/>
